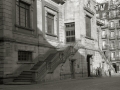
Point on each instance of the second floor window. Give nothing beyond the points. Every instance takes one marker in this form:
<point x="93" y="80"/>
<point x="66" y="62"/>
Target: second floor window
<point x="50" y="23"/>
<point x="88" y="26"/>
<point x="22" y="14"/>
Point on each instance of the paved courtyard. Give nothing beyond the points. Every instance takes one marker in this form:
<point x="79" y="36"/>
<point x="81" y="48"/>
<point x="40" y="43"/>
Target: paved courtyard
<point x="109" y="83"/>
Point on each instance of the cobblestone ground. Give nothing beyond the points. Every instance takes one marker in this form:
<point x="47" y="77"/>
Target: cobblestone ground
<point x="109" y="83"/>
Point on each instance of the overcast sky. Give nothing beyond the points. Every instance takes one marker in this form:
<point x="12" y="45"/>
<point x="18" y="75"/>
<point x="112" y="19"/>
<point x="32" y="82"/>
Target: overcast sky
<point x="100" y="1"/>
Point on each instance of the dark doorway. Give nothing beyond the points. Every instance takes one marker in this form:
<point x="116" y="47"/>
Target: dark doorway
<point x="72" y="69"/>
<point x="89" y="65"/>
<point x="115" y="67"/>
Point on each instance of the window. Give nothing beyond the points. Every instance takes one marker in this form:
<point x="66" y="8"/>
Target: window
<point x="114" y="13"/>
<point x="104" y="34"/>
<point x="118" y="33"/>
<point x="88" y="26"/>
<point x="112" y="44"/>
<point x="104" y="45"/>
<point x="24" y="56"/>
<point x="112" y="55"/>
<point x="112" y="34"/>
<point x="50" y="23"/>
<point x="119" y="54"/>
<point x="119" y="44"/>
<point x="111" y="24"/>
<point x="22" y="14"/>
<point x="103" y="15"/>
<point x="70" y="32"/>
<point x="110" y="14"/>
<point x="119" y="23"/>
<point x="97" y="15"/>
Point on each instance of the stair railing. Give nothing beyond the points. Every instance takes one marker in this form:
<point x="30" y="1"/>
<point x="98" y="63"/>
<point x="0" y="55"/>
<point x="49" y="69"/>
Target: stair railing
<point x="40" y="73"/>
<point x="107" y="60"/>
<point x="67" y="53"/>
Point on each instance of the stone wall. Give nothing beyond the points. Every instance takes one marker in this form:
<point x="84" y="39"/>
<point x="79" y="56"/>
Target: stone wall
<point x="63" y="71"/>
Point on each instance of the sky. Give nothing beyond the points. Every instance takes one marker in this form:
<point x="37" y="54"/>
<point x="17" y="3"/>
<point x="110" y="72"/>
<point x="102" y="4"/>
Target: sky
<point x="100" y="1"/>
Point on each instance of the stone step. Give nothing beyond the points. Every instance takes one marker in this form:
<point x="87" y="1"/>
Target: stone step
<point x="18" y="83"/>
<point x="25" y="76"/>
<point x="22" y="80"/>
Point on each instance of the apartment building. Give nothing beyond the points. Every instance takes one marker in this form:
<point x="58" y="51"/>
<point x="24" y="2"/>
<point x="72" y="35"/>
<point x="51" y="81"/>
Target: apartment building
<point x="108" y="12"/>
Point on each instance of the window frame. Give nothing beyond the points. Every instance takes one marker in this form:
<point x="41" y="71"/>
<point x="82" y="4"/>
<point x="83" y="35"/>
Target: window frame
<point x="47" y="9"/>
<point x="112" y="25"/>
<point x="105" y="45"/>
<point x="71" y="32"/>
<point x="112" y="45"/>
<point x="27" y="12"/>
<point x="104" y="35"/>
<point x="52" y="18"/>
<point x="87" y="29"/>
<point x="111" y="34"/>
<point x="112" y="58"/>
<point x="21" y="55"/>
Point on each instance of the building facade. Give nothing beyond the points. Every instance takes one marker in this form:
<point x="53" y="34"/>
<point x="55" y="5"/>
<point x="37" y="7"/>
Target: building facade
<point x="108" y="12"/>
<point x="44" y="40"/>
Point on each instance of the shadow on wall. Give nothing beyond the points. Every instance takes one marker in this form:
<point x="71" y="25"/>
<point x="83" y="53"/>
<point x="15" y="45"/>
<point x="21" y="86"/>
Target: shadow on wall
<point x="42" y="43"/>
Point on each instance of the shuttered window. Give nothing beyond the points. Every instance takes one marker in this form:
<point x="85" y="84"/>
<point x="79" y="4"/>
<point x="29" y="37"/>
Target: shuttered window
<point x="88" y="26"/>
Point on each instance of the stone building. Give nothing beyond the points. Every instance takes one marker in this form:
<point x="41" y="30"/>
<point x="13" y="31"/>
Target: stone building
<point x="43" y="40"/>
<point x="109" y="13"/>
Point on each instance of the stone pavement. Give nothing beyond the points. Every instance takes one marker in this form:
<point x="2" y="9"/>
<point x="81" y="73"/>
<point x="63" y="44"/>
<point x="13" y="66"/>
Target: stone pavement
<point x="106" y="83"/>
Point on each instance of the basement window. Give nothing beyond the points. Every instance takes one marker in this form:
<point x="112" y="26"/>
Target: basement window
<point x="24" y="56"/>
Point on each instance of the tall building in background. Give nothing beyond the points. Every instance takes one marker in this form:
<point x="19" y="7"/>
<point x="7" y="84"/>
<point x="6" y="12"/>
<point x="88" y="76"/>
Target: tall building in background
<point x="109" y="13"/>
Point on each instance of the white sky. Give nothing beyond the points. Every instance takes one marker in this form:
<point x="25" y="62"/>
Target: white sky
<point x="100" y="1"/>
